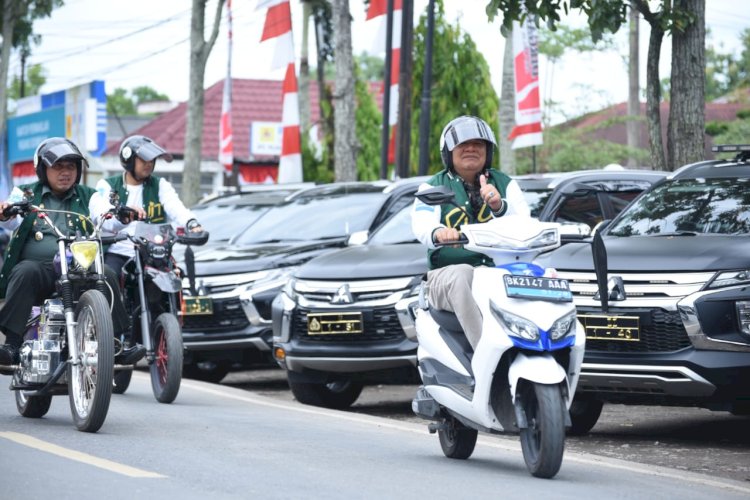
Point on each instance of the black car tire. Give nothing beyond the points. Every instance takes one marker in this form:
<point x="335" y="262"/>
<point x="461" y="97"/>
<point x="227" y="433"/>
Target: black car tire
<point x="584" y="413"/>
<point x="207" y="371"/>
<point x="338" y="395"/>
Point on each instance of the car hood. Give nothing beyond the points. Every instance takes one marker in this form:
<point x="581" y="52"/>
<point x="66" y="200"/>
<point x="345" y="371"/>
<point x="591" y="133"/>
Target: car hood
<point x="657" y="254"/>
<point x="231" y="259"/>
<point x="367" y="261"/>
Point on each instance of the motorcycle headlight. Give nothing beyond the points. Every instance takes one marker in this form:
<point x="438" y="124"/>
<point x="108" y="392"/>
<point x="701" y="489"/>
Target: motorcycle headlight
<point x="730" y="278"/>
<point x="84" y="252"/>
<point x="563" y="326"/>
<point x="518" y="326"/>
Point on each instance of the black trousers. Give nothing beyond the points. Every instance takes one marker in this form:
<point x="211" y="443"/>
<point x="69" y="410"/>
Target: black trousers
<point x="30" y="283"/>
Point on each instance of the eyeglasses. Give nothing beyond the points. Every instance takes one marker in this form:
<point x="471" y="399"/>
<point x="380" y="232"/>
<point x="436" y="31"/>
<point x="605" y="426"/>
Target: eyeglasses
<point x="60" y="166"/>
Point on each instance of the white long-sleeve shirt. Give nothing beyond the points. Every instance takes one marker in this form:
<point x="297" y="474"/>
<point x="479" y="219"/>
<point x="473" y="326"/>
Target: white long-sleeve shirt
<point x="425" y="219"/>
<point x="176" y="212"/>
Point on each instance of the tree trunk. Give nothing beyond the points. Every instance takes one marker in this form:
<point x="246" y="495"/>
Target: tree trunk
<point x="304" y="71"/>
<point x="507" y="111"/>
<point x="345" y="138"/>
<point x="634" y="100"/>
<point x="685" y="132"/>
<point x="200" y="49"/>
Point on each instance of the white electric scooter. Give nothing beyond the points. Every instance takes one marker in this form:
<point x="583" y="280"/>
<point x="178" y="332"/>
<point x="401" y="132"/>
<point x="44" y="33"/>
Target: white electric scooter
<point x="523" y="374"/>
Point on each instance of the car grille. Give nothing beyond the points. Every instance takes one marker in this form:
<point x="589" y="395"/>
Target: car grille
<point x="661" y="331"/>
<point x="227" y="316"/>
<point x="378" y="325"/>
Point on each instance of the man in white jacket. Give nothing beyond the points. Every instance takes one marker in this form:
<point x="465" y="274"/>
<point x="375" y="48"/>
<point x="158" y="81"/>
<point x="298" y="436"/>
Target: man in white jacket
<point x="466" y="147"/>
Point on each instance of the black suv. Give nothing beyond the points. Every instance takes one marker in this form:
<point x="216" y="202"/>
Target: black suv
<point x="676" y="330"/>
<point x="228" y="315"/>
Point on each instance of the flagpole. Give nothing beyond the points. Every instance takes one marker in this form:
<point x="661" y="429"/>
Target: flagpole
<point x="424" y="117"/>
<point x="386" y="133"/>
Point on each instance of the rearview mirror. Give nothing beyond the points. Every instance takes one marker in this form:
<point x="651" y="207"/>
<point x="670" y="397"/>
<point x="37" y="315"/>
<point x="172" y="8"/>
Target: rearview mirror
<point x="436" y="196"/>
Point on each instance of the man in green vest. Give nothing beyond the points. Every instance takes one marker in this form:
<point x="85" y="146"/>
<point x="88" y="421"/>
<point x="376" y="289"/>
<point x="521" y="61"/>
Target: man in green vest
<point x="466" y="147"/>
<point x="28" y="275"/>
<point x="150" y="197"/>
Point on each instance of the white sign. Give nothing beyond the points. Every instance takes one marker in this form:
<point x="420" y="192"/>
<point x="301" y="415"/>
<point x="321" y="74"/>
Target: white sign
<point x="265" y="138"/>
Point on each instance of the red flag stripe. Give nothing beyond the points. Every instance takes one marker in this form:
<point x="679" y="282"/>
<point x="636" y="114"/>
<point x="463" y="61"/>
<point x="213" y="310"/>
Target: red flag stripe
<point x="529" y="128"/>
<point x="290" y="80"/>
<point x="278" y="21"/>
<point x="290" y="143"/>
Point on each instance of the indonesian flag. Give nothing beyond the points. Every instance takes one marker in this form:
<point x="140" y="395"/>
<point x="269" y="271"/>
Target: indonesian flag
<point x="278" y="25"/>
<point x="226" y="142"/>
<point x="528" y="129"/>
<point x="378" y="10"/>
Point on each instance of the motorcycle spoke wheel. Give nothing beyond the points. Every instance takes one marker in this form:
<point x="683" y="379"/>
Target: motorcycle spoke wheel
<point x="90" y="375"/>
<point x="543" y="441"/>
<point x="166" y="369"/>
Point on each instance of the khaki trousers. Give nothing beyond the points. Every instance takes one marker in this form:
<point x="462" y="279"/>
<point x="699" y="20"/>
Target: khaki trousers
<point x="449" y="289"/>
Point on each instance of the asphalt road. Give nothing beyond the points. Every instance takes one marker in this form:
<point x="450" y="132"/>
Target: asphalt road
<point x="220" y="442"/>
<point x="689" y="439"/>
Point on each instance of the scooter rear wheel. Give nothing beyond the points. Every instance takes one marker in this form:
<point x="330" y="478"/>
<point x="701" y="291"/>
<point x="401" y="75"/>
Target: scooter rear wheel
<point x="457" y="440"/>
<point x="543" y="441"/>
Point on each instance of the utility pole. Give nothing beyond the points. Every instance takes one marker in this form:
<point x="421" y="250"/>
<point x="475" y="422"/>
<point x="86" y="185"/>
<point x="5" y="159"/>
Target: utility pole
<point x="424" y="116"/>
<point x="403" y="139"/>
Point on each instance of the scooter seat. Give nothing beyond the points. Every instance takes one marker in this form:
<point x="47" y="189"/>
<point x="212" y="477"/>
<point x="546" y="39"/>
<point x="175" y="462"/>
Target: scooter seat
<point x="453" y="334"/>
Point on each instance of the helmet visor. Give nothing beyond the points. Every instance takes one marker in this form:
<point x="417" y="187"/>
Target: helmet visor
<point x="57" y="152"/>
<point x="467" y="130"/>
<point x="148" y="151"/>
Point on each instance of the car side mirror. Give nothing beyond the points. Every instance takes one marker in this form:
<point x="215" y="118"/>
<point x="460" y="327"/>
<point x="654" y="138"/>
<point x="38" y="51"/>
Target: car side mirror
<point x="576" y="231"/>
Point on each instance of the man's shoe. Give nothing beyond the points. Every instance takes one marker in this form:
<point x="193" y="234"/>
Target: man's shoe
<point x="131" y="355"/>
<point x="8" y="356"/>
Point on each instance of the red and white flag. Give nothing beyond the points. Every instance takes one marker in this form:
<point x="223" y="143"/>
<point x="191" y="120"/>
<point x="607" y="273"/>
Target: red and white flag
<point x="528" y="129"/>
<point x="226" y="141"/>
<point x="278" y="25"/>
<point x="378" y="9"/>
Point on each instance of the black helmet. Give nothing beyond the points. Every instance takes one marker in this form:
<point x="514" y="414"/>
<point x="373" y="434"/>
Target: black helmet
<point x="54" y="149"/>
<point x="142" y="147"/>
<point x="462" y="129"/>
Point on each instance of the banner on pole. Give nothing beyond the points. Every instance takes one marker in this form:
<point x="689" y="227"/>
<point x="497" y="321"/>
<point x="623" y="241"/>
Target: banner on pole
<point x="528" y="129"/>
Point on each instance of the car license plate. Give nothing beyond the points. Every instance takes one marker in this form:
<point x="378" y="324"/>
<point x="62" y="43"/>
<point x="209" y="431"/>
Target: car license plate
<point x="602" y="327"/>
<point x="194" y="306"/>
<point x="334" y="323"/>
<point x="529" y="287"/>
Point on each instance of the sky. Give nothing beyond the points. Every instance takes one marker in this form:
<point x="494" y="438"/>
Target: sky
<point x="146" y="43"/>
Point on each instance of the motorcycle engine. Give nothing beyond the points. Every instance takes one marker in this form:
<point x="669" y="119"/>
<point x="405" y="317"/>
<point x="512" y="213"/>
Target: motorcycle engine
<point x="40" y="356"/>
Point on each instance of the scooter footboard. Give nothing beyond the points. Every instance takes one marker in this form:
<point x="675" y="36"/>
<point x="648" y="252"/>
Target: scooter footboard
<point x="540" y="369"/>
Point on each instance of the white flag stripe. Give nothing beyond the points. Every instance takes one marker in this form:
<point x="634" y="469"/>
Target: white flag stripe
<point x="527" y="140"/>
<point x="290" y="114"/>
<point x="393" y="106"/>
<point x="283" y="53"/>
<point x="290" y="168"/>
<point x="265" y="4"/>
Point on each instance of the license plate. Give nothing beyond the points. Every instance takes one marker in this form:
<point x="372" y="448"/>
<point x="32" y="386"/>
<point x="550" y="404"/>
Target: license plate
<point x="626" y="328"/>
<point x="529" y="287"/>
<point x="334" y="323"/>
<point x="198" y="305"/>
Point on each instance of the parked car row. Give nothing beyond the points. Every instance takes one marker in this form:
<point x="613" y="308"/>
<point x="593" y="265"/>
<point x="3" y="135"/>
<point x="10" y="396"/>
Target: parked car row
<point x="333" y="303"/>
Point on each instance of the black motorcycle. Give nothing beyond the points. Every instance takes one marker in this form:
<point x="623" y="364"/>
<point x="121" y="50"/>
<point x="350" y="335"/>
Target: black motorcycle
<point x="152" y="294"/>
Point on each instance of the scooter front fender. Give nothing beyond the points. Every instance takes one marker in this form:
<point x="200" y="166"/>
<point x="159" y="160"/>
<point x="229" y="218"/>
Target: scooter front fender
<point x="540" y="369"/>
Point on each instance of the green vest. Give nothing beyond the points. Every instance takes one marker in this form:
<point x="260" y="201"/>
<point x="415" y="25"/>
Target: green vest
<point x="151" y="204"/>
<point x="78" y="204"/>
<point x="451" y="216"/>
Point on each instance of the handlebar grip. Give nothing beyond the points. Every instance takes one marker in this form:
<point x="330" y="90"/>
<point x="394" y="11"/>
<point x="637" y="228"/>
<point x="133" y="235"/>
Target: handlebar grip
<point x="462" y="240"/>
<point x="19" y="208"/>
<point x="196" y="239"/>
<point x="111" y="240"/>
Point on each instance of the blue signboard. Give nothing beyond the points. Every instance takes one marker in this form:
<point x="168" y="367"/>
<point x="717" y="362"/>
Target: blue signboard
<point x="27" y="131"/>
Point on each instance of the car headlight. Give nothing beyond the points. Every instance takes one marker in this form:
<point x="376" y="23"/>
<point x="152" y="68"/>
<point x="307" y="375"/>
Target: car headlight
<point x="518" y="326"/>
<point x="730" y="278"/>
<point x="743" y="315"/>
<point x="563" y="326"/>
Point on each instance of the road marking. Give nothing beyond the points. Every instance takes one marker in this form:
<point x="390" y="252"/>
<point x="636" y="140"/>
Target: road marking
<point x="497" y="442"/>
<point x="78" y="456"/>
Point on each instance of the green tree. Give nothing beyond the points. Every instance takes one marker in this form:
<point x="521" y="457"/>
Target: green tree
<point x="35" y="78"/>
<point x="454" y="92"/>
<point x="147" y="94"/>
<point x="685" y="21"/>
<point x="120" y="104"/>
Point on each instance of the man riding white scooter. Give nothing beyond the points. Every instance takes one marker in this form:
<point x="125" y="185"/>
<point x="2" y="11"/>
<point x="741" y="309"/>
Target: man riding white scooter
<point x="466" y="147"/>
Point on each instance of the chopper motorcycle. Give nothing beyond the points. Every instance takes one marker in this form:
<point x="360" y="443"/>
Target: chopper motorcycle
<point x="523" y="374"/>
<point x="152" y="296"/>
<point x="68" y="347"/>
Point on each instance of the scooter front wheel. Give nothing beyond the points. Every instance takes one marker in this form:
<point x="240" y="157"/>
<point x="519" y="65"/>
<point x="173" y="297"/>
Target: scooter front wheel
<point x="457" y="440"/>
<point x="166" y="369"/>
<point x="543" y="440"/>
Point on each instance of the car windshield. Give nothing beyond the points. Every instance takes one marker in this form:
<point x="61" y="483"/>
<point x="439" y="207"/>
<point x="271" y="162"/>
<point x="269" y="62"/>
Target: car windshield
<point x="224" y="222"/>
<point x="395" y="230"/>
<point x="689" y="206"/>
<point x="314" y="218"/>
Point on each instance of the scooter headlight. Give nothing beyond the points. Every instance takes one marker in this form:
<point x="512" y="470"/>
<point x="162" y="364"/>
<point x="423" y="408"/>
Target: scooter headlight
<point x="563" y="326"/>
<point x="518" y="326"/>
